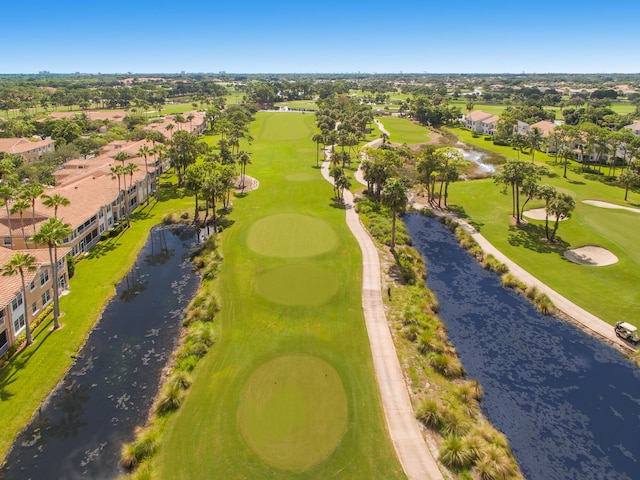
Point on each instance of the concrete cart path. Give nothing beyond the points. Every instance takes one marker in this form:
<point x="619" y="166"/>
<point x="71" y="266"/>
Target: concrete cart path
<point x="410" y="446"/>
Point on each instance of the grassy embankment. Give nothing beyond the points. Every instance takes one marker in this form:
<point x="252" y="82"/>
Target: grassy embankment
<point x="289" y="293"/>
<point x="27" y="379"/>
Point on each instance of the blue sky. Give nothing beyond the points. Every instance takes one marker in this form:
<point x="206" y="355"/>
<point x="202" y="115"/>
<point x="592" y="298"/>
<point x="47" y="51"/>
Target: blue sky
<point x="325" y="36"/>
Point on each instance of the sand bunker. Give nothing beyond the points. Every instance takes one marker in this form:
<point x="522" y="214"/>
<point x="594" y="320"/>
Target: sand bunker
<point x="250" y="183"/>
<point x="591" y="255"/>
<point x="598" y="203"/>
<point x="539" y="214"/>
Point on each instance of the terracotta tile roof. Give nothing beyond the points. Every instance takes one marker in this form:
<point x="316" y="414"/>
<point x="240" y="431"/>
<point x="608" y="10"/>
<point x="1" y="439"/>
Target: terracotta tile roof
<point x="21" y="145"/>
<point x="478" y="115"/>
<point x="10" y="286"/>
<point x="544" y="126"/>
<point x="491" y="119"/>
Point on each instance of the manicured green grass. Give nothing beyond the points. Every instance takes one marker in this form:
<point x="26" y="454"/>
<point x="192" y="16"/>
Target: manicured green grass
<point x="283" y="401"/>
<point x="403" y="130"/>
<point x="311" y="104"/>
<point x="232" y="425"/>
<point x="33" y="373"/>
<point x="609" y="292"/>
<point x="291" y="235"/>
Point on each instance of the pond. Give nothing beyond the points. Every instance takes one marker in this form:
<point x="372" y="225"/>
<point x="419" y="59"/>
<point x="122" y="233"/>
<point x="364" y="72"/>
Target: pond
<point x="476" y="157"/>
<point x="567" y="402"/>
<point x="80" y="428"/>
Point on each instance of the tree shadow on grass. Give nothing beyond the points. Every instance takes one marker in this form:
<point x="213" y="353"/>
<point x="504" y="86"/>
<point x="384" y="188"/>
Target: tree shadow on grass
<point x="460" y="212"/>
<point x="19" y="361"/>
<point x="102" y="248"/>
<point x="532" y="237"/>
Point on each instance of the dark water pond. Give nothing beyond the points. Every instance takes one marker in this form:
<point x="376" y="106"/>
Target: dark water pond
<point x="569" y="404"/>
<point x="79" y="430"/>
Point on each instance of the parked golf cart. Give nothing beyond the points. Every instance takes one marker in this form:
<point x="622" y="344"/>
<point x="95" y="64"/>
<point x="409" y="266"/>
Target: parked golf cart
<point x="628" y="332"/>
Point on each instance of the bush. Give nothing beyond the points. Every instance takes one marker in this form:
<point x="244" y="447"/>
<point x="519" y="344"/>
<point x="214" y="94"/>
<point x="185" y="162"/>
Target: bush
<point x="454" y="453"/>
<point x="429" y="413"/>
<point x="171" y="399"/>
<point x="447" y="365"/>
<point x="454" y="422"/>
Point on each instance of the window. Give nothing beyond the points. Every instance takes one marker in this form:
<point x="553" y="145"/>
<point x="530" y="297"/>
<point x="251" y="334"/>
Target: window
<point x="18" y="324"/>
<point x="3" y="339"/>
<point x="46" y="298"/>
<point x="32" y="285"/>
<point x="34" y="307"/>
<point x="16" y="302"/>
<point x="7" y="241"/>
<point x="44" y="277"/>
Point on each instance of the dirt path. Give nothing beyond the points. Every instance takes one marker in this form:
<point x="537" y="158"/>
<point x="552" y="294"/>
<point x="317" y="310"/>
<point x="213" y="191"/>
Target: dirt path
<point x="578" y="315"/>
<point x="410" y="446"/>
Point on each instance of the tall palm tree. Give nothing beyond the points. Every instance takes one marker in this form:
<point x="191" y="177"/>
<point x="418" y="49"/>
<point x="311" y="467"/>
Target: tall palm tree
<point x="394" y="196"/>
<point x="17" y="265"/>
<point x="54" y="201"/>
<point x="19" y="206"/>
<point x="145" y="151"/>
<point x="169" y="128"/>
<point x="30" y="192"/>
<point x="318" y="138"/>
<point x="51" y="233"/>
<point x="129" y="169"/>
<point x="117" y="172"/>
<point x="243" y="159"/>
<point x="6" y="194"/>
<point x="534" y="139"/>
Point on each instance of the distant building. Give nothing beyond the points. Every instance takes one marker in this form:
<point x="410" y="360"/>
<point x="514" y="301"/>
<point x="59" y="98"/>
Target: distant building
<point x="481" y="122"/>
<point x="30" y="150"/>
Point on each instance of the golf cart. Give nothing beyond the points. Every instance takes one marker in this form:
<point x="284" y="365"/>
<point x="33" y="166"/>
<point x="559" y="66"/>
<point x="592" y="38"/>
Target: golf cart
<point x="627" y="331"/>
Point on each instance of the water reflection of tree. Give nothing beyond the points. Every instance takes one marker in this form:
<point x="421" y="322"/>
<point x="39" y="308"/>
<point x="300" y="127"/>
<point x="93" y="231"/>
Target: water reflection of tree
<point x="135" y="284"/>
<point x="160" y="251"/>
<point x="70" y="403"/>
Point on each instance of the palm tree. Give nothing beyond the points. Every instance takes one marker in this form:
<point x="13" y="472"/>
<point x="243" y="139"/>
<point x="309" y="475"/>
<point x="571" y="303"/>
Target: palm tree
<point x="6" y="194"/>
<point x="117" y="172"/>
<point x="145" y="151"/>
<point x="394" y="196"/>
<point x="534" y="139"/>
<point x="30" y="192"/>
<point x="318" y="138"/>
<point x="129" y="169"/>
<point x="243" y="158"/>
<point x="18" y="264"/>
<point x="52" y="233"/>
<point x="169" y="128"/>
<point x="20" y="206"/>
<point x="54" y="201"/>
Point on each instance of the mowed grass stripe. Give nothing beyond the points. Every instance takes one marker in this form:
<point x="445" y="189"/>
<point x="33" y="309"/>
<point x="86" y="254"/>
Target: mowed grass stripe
<point x="205" y="438"/>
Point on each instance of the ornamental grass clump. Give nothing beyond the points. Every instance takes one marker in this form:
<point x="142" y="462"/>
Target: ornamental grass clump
<point x="456" y="454"/>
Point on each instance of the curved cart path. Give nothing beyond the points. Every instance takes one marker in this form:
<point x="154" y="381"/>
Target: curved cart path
<point x="410" y="446"/>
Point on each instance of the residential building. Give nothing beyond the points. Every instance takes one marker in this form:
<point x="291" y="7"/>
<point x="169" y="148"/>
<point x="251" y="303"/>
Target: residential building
<point x="30" y="150"/>
<point x="481" y="122"/>
<point x="15" y="305"/>
<point x="635" y="128"/>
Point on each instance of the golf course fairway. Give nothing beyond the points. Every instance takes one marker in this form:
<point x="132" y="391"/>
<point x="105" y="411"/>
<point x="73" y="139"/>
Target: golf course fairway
<point x="288" y="390"/>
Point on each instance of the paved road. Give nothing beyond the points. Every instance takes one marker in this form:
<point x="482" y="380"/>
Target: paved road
<point x="410" y="446"/>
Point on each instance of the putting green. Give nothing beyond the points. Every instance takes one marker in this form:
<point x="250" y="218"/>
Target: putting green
<point x="291" y="235"/>
<point x="293" y="411"/>
<point x="297" y="285"/>
<point x="299" y="177"/>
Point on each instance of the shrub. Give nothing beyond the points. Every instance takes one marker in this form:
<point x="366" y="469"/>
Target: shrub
<point x="179" y="379"/>
<point x="492" y="263"/>
<point x="544" y="304"/>
<point x="495" y="464"/>
<point x="429" y="341"/>
<point x="429" y="413"/>
<point x="170" y="399"/>
<point x="410" y="332"/>
<point x="447" y="365"/>
<point x="454" y="453"/>
<point x="531" y="292"/>
<point x="454" y="422"/>
<point x="509" y="280"/>
<point x="187" y="363"/>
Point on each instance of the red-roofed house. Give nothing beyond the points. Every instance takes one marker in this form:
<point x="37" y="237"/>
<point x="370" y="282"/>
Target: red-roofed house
<point x="30" y="150"/>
